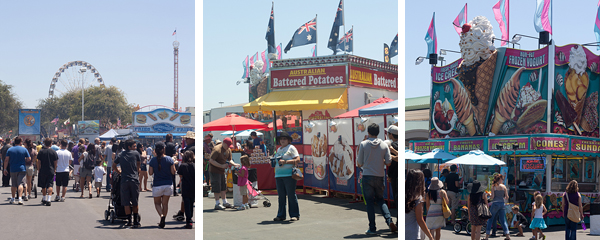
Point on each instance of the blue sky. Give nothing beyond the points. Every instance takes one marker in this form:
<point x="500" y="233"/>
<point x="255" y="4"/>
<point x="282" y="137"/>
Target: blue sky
<point x="232" y="32"/>
<point x="573" y="22"/>
<point x="129" y="42"/>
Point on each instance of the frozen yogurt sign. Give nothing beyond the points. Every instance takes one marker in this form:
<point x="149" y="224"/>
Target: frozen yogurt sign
<point x="527" y="59"/>
<point x="308" y="77"/>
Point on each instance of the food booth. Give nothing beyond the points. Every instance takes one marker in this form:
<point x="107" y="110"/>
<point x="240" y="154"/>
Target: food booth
<point x="317" y="90"/>
<point x="158" y="123"/>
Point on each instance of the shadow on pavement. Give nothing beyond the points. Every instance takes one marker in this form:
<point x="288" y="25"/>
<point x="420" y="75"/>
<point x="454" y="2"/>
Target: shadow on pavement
<point x="380" y="234"/>
<point x="275" y="222"/>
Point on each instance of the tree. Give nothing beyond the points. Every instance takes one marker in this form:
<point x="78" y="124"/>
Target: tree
<point x="9" y="107"/>
<point x="106" y="104"/>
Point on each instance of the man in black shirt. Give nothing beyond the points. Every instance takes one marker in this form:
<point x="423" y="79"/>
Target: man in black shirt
<point x="190" y="145"/>
<point x="453" y="184"/>
<point x="171" y="151"/>
<point x="130" y="162"/>
<point x="5" y="178"/>
<point x="47" y="168"/>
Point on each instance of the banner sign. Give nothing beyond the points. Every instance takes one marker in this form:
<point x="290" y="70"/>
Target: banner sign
<point x="375" y="79"/>
<point x="575" y="102"/>
<point x="315" y="153"/>
<point x="90" y="127"/>
<point x="308" y="77"/>
<point x="445" y="73"/>
<point x="425" y="147"/>
<point x="533" y="164"/>
<point x="466" y="145"/>
<point x="580" y="145"/>
<point x="550" y="143"/>
<point x="29" y="121"/>
<point x="341" y="157"/>
<point x="162" y="120"/>
<point x="507" y="144"/>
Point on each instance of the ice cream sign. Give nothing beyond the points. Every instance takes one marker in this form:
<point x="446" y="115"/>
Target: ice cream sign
<point x="443" y="74"/>
<point x="528" y="59"/>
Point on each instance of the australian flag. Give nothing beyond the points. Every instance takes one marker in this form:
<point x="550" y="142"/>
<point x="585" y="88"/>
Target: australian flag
<point x="394" y="47"/>
<point x="345" y="43"/>
<point x="306" y="34"/>
<point x="270" y="37"/>
<point x="339" y="21"/>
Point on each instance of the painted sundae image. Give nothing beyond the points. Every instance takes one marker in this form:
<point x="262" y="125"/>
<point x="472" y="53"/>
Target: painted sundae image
<point x="341" y="160"/>
<point x="577" y="81"/>
<point x="530" y="108"/>
<point x="507" y="101"/>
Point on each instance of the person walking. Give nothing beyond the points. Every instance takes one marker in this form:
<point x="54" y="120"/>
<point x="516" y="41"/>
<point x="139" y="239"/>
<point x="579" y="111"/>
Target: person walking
<point x="76" y="151"/>
<point x="17" y="156"/>
<point x="65" y="159"/>
<point x="452" y="185"/>
<point x="476" y="196"/>
<point x="373" y="154"/>
<point x="171" y="151"/>
<point x="3" y="150"/>
<point x="435" y="217"/>
<point x="46" y="166"/>
<point x="187" y="172"/>
<point x="190" y="145"/>
<point x="499" y="196"/>
<point x="392" y="133"/>
<point x="162" y="167"/>
<point x="414" y="188"/>
<point x="129" y="161"/>
<point x="143" y="168"/>
<point x="206" y="150"/>
<point x="29" y="166"/>
<point x="108" y="153"/>
<point x="538" y="223"/>
<point x="572" y="196"/>
<point x="286" y="185"/>
<point x="220" y="159"/>
<point x="86" y="172"/>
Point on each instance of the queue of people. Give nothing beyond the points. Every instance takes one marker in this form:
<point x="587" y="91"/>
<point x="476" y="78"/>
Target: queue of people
<point x="85" y="162"/>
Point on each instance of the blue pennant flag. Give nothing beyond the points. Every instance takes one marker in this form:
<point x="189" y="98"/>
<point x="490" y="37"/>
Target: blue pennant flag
<point x="394" y="47"/>
<point x="306" y="34"/>
<point x="270" y="37"/>
<point x="339" y="21"/>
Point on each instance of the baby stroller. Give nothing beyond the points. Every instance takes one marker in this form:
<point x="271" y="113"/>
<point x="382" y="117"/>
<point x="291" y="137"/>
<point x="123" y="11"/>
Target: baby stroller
<point x="254" y="194"/>
<point x="115" y="209"/>
<point x="464" y="222"/>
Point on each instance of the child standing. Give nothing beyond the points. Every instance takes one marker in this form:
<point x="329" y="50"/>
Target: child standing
<point x="99" y="173"/>
<point x="187" y="174"/>
<point x="537" y="224"/>
<point x="243" y="181"/>
<point x="519" y="221"/>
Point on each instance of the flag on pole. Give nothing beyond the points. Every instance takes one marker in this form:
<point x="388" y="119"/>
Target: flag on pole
<point x="431" y="37"/>
<point x="270" y="37"/>
<point x="394" y="47"/>
<point x="501" y="14"/>
<point x="55" y="121"/>
<point x="174" y="32"/>
<point x="460" y="20"/>
<point x="67" y="122"/>
<point x="246" y="68"/>
<point x="597" y="26"/>
<point x="306" y="34"/>
<point x="265" y="60"/>
<point x="335" y="30"/>
<point x="542" y="16"/>
<point x="312" y="51"/>
<point x="279" y="51"/>
<point x="346" y="43"/>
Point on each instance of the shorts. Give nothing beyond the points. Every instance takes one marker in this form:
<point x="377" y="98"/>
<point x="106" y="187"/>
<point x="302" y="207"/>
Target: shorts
<point x="453" y="197"/>
<point x="244" y="190"/>
<point x="86" y="173"/>
<point x="164" y="190"/>
<point x="98" y="184"/>
<point x="30" y="171"/>
<point x="143" y="167"/>
<point x="130" y="193"/>
<point x="17" y="178"/>
<point x="45" y="180"/>
<point x="76" y="170"/>
<point x="62" y="179"/>
<point x="218" y="182"/>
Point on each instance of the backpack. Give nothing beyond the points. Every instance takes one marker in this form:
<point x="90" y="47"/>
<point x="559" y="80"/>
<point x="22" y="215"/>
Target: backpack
<point x="88" y="161"/>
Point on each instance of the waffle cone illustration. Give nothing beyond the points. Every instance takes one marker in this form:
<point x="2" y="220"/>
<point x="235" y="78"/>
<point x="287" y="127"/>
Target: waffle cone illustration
<point x="576" y="87"/>
<point x="507" y="100"/>
<point x="463" y="107"/>
<point x="483" y="87"/>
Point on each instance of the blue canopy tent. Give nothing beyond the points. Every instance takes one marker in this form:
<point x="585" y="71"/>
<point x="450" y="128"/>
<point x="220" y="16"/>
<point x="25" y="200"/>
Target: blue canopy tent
<point x="385" y="108"/>
<point x="436" y="156"/>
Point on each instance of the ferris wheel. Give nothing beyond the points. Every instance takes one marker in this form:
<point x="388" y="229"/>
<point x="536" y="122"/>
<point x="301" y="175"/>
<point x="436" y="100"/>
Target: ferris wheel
<point x="73" y="76"/>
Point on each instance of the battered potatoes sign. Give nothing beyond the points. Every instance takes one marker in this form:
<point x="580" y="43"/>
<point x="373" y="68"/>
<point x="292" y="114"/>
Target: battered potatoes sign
<point x="376" y="79"/>
<point x="305" y="77"/>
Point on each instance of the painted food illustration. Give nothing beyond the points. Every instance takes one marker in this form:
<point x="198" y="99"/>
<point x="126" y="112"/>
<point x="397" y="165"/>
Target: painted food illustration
<point x="341" y="159"/>
<point x="140" y="118"/>
<point x="185" y="119"/>
<point x="530" y="108"/>
<point x="319" y="170"/>
<point x="295" y="136"/>
<point x="319" y="145"/>
<point x="507" y="100"/>
<point x="463" y="107"/>
<point x="361" y="127"/>
<point x="163" y="115"/>
<point x="444" y="118"/>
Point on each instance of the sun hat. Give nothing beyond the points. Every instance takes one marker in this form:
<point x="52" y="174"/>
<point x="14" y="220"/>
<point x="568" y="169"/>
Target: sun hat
<point x="284" y="134"/>
<point x="190" y="135"/>
<point x="435" y="184"/>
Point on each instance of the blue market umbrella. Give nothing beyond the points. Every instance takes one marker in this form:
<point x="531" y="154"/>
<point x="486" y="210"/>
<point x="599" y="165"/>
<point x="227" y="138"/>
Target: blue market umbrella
<point x="436" y="156"/>
<point x="411" y="156"/>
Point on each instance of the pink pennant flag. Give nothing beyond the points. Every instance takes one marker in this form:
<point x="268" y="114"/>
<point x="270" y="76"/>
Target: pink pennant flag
<point x="264" y="59"/>
<point x="460" y="20"/>
<point x="501" y="15"/>
<point x="279" y="51"/>
<point x="542" y="17"/>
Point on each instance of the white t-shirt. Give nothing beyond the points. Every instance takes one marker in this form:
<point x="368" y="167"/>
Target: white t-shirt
<point x="64" y="156"/>
<point x="99" y="173"/>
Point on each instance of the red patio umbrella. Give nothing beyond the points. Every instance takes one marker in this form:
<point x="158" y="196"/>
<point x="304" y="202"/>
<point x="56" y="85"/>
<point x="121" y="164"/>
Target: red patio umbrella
<point x="234" y="123"/>
<point x="354" y="112"/>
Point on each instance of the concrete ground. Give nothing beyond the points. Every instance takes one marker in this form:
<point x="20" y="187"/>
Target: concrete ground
<point x="552" y="232"/>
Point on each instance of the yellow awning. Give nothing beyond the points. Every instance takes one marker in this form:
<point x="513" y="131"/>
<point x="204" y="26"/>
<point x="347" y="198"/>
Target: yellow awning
<point x="314" y="99"/>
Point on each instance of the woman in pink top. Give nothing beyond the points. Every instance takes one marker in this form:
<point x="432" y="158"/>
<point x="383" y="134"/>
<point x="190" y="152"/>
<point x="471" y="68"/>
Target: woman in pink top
<point x="243" y="181"/>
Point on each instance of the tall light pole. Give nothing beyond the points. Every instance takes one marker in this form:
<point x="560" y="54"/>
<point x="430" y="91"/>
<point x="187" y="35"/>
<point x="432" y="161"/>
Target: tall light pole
<point x="176" y="76"/>
<point x="82" y="71"/>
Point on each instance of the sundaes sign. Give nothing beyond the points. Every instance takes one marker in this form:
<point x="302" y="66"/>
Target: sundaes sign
<point x="305" y="77"/>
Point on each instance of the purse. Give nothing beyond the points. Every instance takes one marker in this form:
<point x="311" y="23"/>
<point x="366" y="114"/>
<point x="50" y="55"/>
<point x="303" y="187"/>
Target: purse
<point x="297" y="174"/>
<point x="573" y="213"/>
<point x="445" y="209"/>
<point x="483" y="211"/>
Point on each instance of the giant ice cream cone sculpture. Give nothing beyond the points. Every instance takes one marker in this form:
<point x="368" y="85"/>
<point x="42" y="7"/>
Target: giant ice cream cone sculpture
<point x="485" y="76"/>
<point x="507" y="100"/>
<point x="577" y="81"/>
<point x="463" y="106"/>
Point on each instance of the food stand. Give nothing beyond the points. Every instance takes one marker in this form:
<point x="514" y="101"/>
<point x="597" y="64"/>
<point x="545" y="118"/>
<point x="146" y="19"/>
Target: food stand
<point x="158" y="123"/>
<point x="536" y="110"/>
<point x="318" y="89"/>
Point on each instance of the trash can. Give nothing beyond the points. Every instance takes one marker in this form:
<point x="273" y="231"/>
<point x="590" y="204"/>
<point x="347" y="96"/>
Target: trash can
<point x="595" y="218"/>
